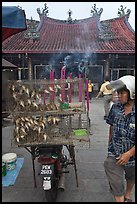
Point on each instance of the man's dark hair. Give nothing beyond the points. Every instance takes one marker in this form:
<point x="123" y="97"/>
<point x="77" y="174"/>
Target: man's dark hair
<point x="106" y="78"/>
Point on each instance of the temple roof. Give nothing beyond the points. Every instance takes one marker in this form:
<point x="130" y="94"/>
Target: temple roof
<point x="88" y="35"/>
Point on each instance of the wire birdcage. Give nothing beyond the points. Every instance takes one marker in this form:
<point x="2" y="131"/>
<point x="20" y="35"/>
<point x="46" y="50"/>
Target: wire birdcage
<point x="44" y="111"/>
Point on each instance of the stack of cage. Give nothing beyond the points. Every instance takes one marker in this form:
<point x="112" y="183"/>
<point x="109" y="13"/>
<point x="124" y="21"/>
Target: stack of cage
<point x="42" y="110"/>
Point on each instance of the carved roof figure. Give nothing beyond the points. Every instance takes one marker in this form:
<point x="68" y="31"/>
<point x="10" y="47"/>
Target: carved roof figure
<point x="39" y="12"/>
<point x="95" y="12"/>
<point x="128" y="11"/>
<point x="121" y="11"/>
<point x="45" y="10"/>
<point x="31" y="31"/>
<point x="69" y="18"/>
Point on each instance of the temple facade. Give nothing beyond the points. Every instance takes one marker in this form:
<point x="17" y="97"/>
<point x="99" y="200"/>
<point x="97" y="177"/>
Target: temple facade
<point x="87" y="46"/>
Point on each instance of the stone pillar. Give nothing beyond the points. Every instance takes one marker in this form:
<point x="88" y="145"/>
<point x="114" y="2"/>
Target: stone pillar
<point x="106" y="70"/>
<point x="19" y="74"/>
<point x="29" y="69"/>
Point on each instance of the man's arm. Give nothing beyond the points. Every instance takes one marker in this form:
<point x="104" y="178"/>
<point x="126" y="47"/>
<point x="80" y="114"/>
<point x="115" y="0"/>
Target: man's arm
<point x="131" y="152"/>
<point x="99" y="93"/>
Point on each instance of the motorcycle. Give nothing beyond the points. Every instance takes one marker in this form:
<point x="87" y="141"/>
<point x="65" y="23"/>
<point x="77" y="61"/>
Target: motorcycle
<point x="53" y="166"/>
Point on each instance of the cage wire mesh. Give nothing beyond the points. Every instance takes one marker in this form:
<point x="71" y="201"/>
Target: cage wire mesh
<point x="47" y="112"/>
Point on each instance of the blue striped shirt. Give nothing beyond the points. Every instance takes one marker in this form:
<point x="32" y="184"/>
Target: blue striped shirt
<point x="123" y="135"/>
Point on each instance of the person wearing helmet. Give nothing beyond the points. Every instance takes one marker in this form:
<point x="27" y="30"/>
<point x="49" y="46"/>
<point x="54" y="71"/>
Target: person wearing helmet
<point x="121" y="145"/>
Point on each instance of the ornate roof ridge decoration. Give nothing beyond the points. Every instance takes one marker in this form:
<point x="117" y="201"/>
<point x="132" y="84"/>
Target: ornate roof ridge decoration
<point x="121" y="12"/>
<point x="32" y="32"/>
<point x="95" y="12"/>
<point x="105" y="32"/>
<point x="76" y="21"/>
<point x="44" y="12"/>
<point x="70" y="18"/>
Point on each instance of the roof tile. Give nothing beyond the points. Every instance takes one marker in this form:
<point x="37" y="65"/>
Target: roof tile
<point x="82" y="36"/>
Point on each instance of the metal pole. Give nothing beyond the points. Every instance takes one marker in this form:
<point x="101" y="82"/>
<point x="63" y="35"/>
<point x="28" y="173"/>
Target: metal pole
<point x="23" y="71"/>
<point x="33" y="165"/>
<point x="72" y="154"/>
<point x="32" y="151"/>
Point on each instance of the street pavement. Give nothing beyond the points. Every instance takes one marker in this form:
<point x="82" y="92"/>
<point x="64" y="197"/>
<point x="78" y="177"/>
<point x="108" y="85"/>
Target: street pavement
<point x="93" y="184"/>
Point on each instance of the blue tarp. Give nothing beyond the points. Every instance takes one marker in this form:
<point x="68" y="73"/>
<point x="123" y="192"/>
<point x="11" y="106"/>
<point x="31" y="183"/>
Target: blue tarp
<point x="13" y="21"/>
<point x="11" y="175"/>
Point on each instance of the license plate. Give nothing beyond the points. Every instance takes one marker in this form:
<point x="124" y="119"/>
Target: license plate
<point x="47" y="169"/>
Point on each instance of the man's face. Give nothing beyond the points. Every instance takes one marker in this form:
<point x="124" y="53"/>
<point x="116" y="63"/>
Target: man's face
<point x="123" y="96"/>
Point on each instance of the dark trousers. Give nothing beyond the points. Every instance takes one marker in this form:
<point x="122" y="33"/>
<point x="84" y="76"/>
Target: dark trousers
<point x="90" y="95"/>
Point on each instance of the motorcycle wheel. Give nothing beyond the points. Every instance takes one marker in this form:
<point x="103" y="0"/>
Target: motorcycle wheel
<point x="51" y="195"/>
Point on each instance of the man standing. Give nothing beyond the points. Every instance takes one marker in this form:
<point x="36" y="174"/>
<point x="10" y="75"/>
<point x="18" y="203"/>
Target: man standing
<point x="107" y="96"/>
<point x="120" y="162"/>
<point x="90" y="89"/>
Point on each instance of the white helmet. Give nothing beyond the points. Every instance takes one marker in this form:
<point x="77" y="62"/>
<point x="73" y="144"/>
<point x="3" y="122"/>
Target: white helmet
<point x="127" y="82"/>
